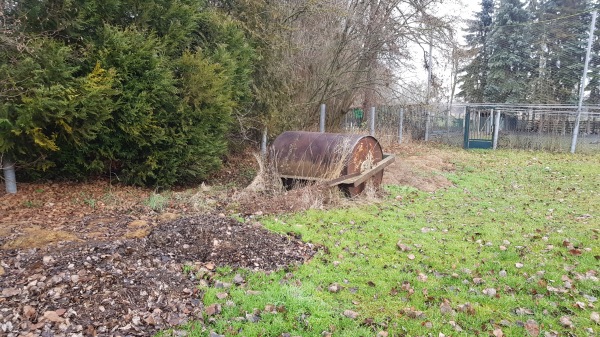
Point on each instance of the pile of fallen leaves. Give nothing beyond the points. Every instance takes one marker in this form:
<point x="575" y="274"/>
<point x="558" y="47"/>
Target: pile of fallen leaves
<point x="132" y="287"/>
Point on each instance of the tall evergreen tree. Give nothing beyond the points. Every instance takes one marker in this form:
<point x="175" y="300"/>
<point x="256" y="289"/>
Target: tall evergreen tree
<point x="473" y="82"/>
<point x="510" y="54"/>
<point x="563" y="27"/>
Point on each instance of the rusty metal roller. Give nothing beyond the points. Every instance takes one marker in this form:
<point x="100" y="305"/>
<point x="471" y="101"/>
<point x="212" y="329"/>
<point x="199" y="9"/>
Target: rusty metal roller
<point x="337" y="159"/>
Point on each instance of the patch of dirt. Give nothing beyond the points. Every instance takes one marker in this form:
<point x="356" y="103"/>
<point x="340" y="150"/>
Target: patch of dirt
<point x="132" y="287"/>
<point x="41" y="214"/>
<point x="419" y="169"/>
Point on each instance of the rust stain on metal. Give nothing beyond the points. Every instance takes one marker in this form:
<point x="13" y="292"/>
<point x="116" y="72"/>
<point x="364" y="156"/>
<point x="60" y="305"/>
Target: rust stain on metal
<point x="326" y="156"/>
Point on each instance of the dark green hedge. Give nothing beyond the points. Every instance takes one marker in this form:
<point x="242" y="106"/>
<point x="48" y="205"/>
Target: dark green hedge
<point x="143" y="90"/>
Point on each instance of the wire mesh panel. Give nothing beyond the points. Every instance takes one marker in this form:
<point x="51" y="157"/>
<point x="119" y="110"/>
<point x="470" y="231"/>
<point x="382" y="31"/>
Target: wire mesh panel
<point x="549" y="128"/>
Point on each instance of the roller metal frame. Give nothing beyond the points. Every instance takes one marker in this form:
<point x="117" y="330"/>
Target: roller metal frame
<point x="353" y="179"/>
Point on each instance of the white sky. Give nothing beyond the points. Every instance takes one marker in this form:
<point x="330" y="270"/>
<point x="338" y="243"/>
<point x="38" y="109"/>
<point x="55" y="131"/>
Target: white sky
<point x="464" y="9"/>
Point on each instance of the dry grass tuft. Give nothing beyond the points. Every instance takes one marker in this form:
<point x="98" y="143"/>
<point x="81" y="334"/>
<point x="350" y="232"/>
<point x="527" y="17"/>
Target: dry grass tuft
<point x="36" y="237"/>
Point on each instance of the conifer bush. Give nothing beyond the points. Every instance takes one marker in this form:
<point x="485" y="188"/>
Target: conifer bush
<point x="141" y="91"/>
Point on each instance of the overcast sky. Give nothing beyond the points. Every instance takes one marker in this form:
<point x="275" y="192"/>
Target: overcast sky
<point x="465" y="9"/>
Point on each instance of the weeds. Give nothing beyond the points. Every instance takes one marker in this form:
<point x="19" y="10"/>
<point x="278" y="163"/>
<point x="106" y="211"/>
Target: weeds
<point x="511" y="250"/>
<point x="32" y="204"/>
<point x="157" y="202"/>
<point x="90" y="202"/>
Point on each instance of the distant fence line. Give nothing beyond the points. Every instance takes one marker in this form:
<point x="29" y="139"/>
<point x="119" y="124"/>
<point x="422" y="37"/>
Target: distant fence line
<point x="532" y="127"/>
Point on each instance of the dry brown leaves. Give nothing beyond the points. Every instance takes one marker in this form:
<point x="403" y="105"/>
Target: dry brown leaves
<point x="132" y="287"/>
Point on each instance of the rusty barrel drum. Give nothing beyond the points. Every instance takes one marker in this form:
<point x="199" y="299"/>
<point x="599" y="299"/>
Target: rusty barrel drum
<point x="314" y="156"/>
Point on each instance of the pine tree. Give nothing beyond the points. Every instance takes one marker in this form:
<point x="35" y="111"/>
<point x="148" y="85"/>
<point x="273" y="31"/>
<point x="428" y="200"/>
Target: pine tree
<point x="510" y="54"/>
<point x="473" y="82"/>
<point x="565" y="24"/>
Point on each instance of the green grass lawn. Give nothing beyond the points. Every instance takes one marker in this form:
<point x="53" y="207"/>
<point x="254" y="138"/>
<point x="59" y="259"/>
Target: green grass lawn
<point x="511" y="250"/>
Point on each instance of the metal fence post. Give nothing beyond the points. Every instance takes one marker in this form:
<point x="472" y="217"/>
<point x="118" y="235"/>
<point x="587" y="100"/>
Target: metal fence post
<point x="10" y="180"/>
<point x="467" y="127"/>
<point x="400" y="126"/>
<point x="427" y="126"/>
<point x="583" y="81"/>
<point x="372" y="122"/>
<point x="263" y="143"/>
<point x="322" y="119"/>
<point x="496" y="129"/>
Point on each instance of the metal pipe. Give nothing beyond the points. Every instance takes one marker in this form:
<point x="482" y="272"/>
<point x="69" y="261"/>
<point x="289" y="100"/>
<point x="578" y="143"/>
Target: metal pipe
<point x="263" y="143"/>
<point x="10" y="180"/>
<point x="322" y="119"/>
<point x="496" y="129"/>
<point x="583" y="80"/>
<point x="467" y="122"/>
<point x="372" y="122"/>
<point x="400" y="127"/>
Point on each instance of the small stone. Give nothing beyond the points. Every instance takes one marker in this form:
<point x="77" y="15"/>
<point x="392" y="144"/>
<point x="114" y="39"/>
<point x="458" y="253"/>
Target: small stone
<point x="210" y="266"/>
<point x="595" y="317"/>
<point x="351" y="314"/>
<point x="382" y="334"/>
<point x="336" y="263"/>
<point x="519" y="265"/>
<point x="502" y="248"/>
<point x="47" y="259"/>
<point x="477" y="280"/>
<point x="238" y="279"/>
<point x="411" y="257"/>
<point x="222" y="295"/>
<point x="502" y="273"/>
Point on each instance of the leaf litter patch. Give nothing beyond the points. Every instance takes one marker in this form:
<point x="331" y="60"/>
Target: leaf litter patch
<point x="132" y="287"/>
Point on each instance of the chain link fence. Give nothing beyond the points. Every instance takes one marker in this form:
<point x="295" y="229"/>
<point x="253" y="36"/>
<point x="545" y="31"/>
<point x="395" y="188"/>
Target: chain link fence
<point x="527" y="127"/>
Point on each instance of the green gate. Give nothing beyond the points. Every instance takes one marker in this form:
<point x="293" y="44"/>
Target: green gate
<point x="479" y="128"/>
